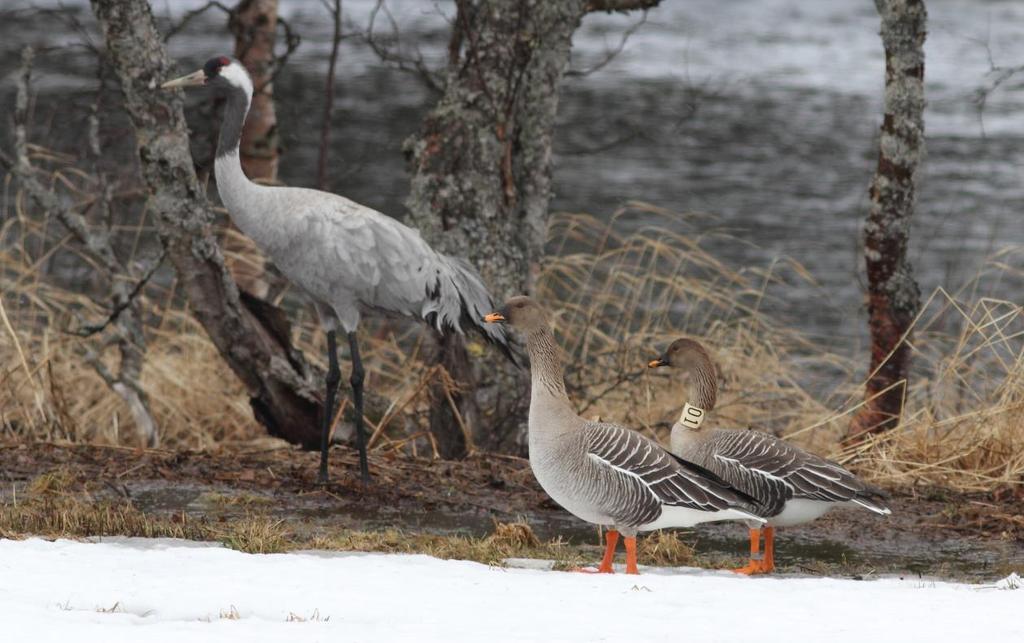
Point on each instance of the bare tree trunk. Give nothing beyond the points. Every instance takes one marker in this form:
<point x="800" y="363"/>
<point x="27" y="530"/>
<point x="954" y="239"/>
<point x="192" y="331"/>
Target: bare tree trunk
<point x="254" y="344"/>
<point x="481" y="164"/>
<point x="893" y="296"/>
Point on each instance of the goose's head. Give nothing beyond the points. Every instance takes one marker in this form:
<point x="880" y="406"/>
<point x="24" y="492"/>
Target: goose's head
<point x="685" y="354"/>
<point x="219" y="72"/>
<point x="692" y="361"/>
<point x="520" y="312"/>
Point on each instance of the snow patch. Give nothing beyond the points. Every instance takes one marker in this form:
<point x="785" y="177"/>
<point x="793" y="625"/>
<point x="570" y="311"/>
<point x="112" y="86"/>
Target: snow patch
<point x="1013" y="581"/>
<point x="133" y="591"/>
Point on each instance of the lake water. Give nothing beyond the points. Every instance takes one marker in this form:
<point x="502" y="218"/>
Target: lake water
<point x="763" y="114"/>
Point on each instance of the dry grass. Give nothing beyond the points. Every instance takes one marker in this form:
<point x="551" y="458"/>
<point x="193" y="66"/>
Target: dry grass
<point x="624" y="296"/>
<point x="963" y="427"/>
<point x="52" y="511"/>
<point x="665" y="549"/>
<point x="619" y="290"/>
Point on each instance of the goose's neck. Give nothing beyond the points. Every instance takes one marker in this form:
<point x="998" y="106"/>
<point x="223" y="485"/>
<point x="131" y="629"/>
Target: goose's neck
<point x="702" y="393"/>
<point x="547" y="382"/>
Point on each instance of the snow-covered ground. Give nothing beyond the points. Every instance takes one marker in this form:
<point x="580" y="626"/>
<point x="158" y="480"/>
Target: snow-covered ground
<point x="175" y="591"/>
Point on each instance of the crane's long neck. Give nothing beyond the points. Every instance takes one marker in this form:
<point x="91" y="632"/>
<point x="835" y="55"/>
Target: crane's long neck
<point x="244" y="200"/>
<point x="235" y="110"/>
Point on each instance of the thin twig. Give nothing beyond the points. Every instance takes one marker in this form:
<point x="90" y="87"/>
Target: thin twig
<point x="325" y="126"/>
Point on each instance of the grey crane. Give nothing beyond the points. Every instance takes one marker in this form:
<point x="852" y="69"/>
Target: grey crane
<point x="347" y="257"/>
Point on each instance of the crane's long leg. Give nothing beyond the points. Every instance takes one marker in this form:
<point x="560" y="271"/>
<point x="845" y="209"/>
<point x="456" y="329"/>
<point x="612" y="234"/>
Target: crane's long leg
<point x="333" y="378"/>
<point x="357" y="400"/>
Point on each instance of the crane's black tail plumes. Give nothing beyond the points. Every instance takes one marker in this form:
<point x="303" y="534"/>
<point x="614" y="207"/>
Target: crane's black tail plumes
<point x="461" y="300"/>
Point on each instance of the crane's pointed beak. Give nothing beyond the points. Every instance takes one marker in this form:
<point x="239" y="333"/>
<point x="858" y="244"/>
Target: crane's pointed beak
<point x="655" y="363"/>
<point x="194" y="79"/>
<point x="494" y="318"/>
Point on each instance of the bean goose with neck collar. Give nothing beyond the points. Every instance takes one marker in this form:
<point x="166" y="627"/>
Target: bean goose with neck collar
<point x="604" y="473"/>
<point x="347" y="257"/>
<point x="791" y="486"/>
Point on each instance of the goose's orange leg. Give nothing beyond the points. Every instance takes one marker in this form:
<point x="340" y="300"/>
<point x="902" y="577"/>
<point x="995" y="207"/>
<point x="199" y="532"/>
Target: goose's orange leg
<point x="612" y="538"/>
<point x="631" y="555"/>
<point x="756" y="564"/>
<point x="769" y="549"/>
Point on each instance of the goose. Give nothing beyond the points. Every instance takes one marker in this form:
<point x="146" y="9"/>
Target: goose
<point x="791" y="486"/>
<point x="347" y="257"/>
<point x="604" y="473"/>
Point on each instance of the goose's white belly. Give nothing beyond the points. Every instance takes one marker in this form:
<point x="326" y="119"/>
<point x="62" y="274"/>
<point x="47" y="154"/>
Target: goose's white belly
<point x="672" y="516"/>
<point x="801" y="510"/>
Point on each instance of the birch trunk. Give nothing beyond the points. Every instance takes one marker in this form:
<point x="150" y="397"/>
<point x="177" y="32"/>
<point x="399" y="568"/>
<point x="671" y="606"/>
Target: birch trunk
<point x="254" y="25"/>
<point x="893" y="295"/>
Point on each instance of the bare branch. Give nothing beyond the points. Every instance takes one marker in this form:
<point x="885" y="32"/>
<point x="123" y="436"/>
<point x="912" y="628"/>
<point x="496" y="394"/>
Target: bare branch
<point x="325" y="126"/>
<point x="291" y="39"/>
<point x="97" y="240"/>
<point x="21" y="110"/>
<point x="414" y="64"/>
<point x="620" y="6"/>
<point x="129" y="300"/>
<point x="611" y="54"/>
<point x="187" y="18"/>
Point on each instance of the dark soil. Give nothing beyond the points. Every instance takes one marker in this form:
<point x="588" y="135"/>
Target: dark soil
<point x="931" y="532"/>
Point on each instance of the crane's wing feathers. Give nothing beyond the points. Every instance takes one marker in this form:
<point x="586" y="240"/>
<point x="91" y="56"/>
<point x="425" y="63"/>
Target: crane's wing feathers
<point x="377" y="261"/>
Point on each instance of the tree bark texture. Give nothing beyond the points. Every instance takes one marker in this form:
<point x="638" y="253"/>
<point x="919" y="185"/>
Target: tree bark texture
<point x="481" y="163"/>
<point x="283" y="393"/>
<point x="893" y="295"/>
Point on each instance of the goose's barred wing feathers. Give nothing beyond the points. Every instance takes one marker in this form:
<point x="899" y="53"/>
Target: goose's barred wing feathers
<point x="773" y="471"/>
<point x="660" y="475"/>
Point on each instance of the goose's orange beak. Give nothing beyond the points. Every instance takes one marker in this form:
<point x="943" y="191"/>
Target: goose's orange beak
<point x="655" y="363"/>
<point x="494" y="318"/>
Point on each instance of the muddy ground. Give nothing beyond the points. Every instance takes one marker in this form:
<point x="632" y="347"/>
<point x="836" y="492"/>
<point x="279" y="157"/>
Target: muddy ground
<point x="932" y="532"/>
